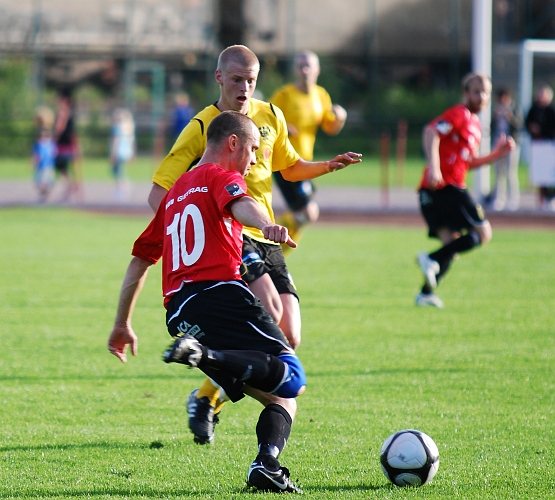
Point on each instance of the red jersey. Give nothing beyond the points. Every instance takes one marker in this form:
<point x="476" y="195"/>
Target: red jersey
<point x="193" y="230"/>
<point x="460" y="132"/>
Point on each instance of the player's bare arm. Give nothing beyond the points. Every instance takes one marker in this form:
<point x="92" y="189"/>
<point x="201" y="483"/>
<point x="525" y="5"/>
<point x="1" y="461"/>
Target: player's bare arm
<point x="431" y="141"/>
<point x="503" y="147"/>
<point x="122" y="333"/>
<point x="155" y="196"/>
<point x="305" y="170"/>
<point x="333" y="128"/>
<point x="247" y="211"/>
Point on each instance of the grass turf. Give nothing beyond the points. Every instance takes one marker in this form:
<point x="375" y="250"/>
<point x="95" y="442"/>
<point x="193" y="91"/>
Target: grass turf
<point x="476" y="376"/>
<point x="367" y="173"/>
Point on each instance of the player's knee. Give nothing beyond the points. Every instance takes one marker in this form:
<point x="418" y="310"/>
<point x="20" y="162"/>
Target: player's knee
<point x="484" y="233"/>
<point x="312" y="211"/>
<point x="294" y="381"/>
<point x="294" y="341"/>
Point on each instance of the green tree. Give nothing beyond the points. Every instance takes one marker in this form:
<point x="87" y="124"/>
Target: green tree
<point x="16" y="107"/>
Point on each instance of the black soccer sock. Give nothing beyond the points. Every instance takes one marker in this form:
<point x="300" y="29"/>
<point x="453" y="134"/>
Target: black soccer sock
<point x="259" y="370"/>
<point x="445" y="255"/>
<point x="272" y="430"/>
<point x="460" y="245"/>
<point x="444" y="266"/>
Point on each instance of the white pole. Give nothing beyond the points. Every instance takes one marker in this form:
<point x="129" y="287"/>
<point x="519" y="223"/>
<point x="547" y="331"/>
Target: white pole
<point x="525" y="93"/>
<point x="481" y="61"/>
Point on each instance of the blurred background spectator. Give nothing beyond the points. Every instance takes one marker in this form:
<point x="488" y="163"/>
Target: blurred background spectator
<point x="122" y="150"/>
<point x="540" y="123"/>
<point x="505" y="121"/>
<point x="44" y="153"/>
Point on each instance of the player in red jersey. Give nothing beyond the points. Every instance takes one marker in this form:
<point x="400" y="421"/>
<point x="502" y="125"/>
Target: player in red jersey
<point x="451" y="144"/>
<point x="219" y="325"/>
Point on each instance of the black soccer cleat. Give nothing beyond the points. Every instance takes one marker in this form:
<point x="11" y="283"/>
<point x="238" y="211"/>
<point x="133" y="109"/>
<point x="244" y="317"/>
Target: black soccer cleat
<point x="201" y="418"/>
<point x="277" y="481"/>
<point x="185" y="350"/>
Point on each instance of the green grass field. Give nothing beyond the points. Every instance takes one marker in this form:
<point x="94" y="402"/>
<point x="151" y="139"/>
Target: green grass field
<point x="477" y="376"/>
<point x="368" y="173"/>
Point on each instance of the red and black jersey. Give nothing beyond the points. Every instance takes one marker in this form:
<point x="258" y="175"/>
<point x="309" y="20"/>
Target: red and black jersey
<point x="193" y="230"/>
<point x="460" y="132"/>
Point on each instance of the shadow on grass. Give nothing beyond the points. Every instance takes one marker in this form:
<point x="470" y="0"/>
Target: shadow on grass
<point x="381" y="371"/>
<point x="108" y="445"/>
<point x="116" y="492"/>
<point x="177" y="493"/>
<point x="95" y="378"/>
<point x="347" y="488"/>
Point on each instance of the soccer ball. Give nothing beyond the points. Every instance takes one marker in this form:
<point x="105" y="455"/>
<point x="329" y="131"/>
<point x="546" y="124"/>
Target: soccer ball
<point x="409" y="458"/>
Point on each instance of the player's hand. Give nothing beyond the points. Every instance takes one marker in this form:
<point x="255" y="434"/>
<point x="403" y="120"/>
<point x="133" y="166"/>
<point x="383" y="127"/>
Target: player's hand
<point x="434" y="178"/>
<point x="504" y="145"/>
<point x="278" y="234"/>
<point x="344" y="160"/>
<point x="119" y="339"/>
<point x="340" y="112"/>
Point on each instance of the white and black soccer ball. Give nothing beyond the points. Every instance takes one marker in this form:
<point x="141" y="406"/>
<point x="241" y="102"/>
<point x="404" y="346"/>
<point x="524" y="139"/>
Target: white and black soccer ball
<point x="409" y="458"/>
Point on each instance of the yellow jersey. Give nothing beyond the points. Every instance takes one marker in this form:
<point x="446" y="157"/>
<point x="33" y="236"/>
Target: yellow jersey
<point x="306" y="112"/>
<point x="275" y="153"/>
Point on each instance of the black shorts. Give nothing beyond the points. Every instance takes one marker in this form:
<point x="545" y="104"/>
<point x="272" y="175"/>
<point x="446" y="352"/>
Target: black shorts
<point x="297" y="195"/>
<point x="450" y="207"/>
<point x="224" y="316"/>
<point x="260" y="258"/>
<point x="62" y="163"/>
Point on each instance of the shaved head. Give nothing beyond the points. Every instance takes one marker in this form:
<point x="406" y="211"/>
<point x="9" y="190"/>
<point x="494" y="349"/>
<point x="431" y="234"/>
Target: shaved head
<point x="228" y="123"/>
<point x="238" y="54"/>
<point x="307" y="55"/>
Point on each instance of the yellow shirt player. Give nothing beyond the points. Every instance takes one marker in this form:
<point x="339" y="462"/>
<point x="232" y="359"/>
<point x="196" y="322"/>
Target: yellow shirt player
<point x="266" y="271"/>
<point x="306" y="107"/>
<point x="275" y="152"/>
<point x="304" y="113"/>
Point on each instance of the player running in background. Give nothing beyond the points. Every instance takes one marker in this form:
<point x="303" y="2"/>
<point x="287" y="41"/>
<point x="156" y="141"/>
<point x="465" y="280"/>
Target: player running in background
<point x="451" y="143"/>
<point x="306" y="107"/>
<point x="219" y="325"/>
<point x="266" y="271"/>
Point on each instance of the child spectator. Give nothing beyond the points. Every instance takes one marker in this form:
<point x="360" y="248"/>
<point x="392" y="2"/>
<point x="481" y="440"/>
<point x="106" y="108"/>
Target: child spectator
<point x="44" y="153"/>
<point x="122" y="149"/>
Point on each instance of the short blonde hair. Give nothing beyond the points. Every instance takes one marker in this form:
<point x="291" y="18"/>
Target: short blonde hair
<point x="239" y="54"/>
<point x="470" y="78"/>
<point x="44" y="117"/>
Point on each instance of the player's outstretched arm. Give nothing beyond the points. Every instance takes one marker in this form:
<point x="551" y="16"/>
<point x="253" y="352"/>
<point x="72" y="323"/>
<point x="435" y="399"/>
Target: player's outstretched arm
<point x="304" y="170"/>
<point x="503" y="147"/>
<point x="122" y="333"/>
<point x="247" y="211"/>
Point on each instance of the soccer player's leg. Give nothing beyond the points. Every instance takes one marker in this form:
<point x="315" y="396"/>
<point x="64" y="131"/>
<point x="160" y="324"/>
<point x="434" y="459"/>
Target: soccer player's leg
<point x="467" y="228"/>
<point x="205" y="404"/>
<point x="302" y="209"/>
<point x="203" y="409"/>
<point x="272" y="431"/>
<point x="290" y="322"/>
<point x="432" y="212"/>
<point x="282" y="375"/>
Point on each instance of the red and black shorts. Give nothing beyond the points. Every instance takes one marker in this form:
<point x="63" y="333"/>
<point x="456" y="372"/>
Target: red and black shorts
<point x="450" y="207"/>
